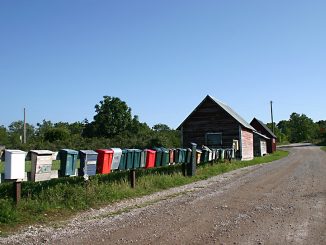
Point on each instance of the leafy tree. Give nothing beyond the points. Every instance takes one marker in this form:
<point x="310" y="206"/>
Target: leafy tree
<point x="321" y="130"/>
<point x="16" y="130"/>
<point x="76" y="128"/>
<point x="43" y="128"/>
<point x="302" y="128"/>
<point x="136" y="127"/>
<point x="113" y="117"/>
<point x="161" y="127"/>
<point x="281" y="137"/>
<point x="4" y="136"/>
<point x="56" y="134"/>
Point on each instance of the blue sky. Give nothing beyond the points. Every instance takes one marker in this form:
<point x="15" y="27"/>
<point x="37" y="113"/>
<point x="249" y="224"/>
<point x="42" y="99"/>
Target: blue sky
<point x="59" y="58"/>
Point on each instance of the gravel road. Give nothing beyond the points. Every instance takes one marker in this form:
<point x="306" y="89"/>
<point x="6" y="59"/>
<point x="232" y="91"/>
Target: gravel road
<point x="283" y="202"/>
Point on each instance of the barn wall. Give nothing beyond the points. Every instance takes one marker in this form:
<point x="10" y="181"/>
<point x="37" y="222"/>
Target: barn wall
<point x="260" y="146"/>
<point x="271" y="143"/>
<point x="247" y="144"/>
<point x="210" y="118"/>
<point x="257" y="149"/>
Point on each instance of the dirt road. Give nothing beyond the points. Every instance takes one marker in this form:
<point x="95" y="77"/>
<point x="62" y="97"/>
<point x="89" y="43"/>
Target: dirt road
<point x="283" y="202"/>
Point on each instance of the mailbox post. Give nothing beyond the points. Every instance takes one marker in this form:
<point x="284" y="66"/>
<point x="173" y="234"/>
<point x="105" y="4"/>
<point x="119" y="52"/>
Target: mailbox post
<point x="191" y="166"/>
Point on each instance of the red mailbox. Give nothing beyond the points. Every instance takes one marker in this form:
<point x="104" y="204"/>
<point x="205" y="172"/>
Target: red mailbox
<point x="104" y="161"/>
<point x="150" y="158"/>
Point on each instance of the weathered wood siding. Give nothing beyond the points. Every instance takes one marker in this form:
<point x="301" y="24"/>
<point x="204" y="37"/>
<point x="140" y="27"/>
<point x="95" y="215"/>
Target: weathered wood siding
<point x="260" y="146"/>
<point x="247" y="144"/>
<point x="210" y="118"/>
<point x="271" y="143"/>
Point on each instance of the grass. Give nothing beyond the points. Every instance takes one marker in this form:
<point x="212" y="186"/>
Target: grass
<point x="323" y="148"/>
<point x="57" y="199"/>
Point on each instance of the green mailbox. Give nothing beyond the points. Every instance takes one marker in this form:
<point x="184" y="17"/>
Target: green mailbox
<point x="137" y="158"/>
<point x="189" y="155"/>
<point x="133" y="158"/>
<point x="123" y="160"/>
<point x="158" y="158"/>
<point x="165" y="157"/>
<point x="68" y="160"/>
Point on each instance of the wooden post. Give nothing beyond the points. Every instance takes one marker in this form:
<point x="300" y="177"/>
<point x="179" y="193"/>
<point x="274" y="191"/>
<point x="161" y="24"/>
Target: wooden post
<point x="24" y="141"/>
<point x="133" y="178"/>
<point x="272" y="116"/>
<point x="191" y="167"/>
<point x="17" y="191"/>
<point x="184" y="169"/>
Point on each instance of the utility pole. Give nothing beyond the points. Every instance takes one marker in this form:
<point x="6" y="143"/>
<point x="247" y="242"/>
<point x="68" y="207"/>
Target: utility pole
<point x="272" y="116"/>
<point x="24" y="126"/>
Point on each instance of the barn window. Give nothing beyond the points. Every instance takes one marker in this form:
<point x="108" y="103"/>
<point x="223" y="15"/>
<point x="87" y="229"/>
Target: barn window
<point x="213" y="139"/>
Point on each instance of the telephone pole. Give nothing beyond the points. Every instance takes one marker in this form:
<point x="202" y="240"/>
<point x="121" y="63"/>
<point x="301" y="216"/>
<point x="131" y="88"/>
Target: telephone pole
<point x="24" y="126"/>
<point x="272" y="116"/>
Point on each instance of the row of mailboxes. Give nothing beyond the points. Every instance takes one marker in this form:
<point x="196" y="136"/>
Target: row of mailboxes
<point x="41" y="161"/>
<point x="102" y="160"/>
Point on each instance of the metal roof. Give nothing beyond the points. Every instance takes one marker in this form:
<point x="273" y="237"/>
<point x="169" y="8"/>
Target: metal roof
<point x="225" y="107"/>
<point x="261" y="135"/>
<point x="266" y="128"/>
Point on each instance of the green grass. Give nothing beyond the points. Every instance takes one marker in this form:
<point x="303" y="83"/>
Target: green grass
<point x="323" y="148"/>
<point x="58" y="198"/>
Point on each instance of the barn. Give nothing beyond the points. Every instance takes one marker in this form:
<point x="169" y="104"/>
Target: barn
<point x="215" y="124"/>
<point x="260" y="144"/>
<point x="260" y="127"/>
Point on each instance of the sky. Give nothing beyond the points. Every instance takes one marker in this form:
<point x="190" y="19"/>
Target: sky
<point x="59" y="58"/>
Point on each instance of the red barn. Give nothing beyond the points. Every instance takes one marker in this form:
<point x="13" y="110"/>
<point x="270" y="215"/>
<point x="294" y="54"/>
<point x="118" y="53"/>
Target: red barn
<point x="260" y="127"/>
<point x="215" y="124"/>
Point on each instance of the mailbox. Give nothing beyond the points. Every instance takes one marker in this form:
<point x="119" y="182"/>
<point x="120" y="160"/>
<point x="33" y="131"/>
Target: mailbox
<point x="68" y="160"/>
<point x="15" y="164"/>
<point x="123" y="160"/>
<point x="117" y="153"/>
<point x="41" y="165"/>
<point x="104" y="161"/>
<point x="88" y="161"/>
<point x="171" y="156"/>
<point x="150" y="158"/>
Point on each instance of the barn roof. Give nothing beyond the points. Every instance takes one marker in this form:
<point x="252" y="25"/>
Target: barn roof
<point x="225" y="107"/>
<point x="265" y="127"/>
<point x="261" y="135"/>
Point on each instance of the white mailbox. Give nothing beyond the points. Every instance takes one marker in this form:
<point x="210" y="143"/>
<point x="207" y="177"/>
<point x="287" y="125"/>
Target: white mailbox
<point x="117" y="153"/>
<point x="15" y="164"/>
<point x="41" y="165"/>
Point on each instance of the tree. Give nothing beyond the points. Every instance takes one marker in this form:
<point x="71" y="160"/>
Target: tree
<point x="161" y="127"/>
<point x="43" y="128"/>
<point x="321" y="130"/>
<point x="302" y="128"/>
<point x="56" y="134"/>
<point x="4" y="136"/>
<point x="281" y="137"/>
<point x="113" y="116"/>
<point x="16" y="130"/>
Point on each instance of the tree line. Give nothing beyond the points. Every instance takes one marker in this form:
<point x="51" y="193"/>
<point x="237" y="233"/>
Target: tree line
<point x="300" y="128"/>
<point x="114" y="126"/>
